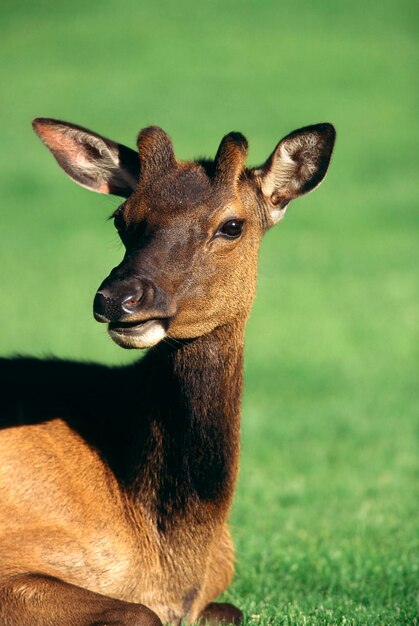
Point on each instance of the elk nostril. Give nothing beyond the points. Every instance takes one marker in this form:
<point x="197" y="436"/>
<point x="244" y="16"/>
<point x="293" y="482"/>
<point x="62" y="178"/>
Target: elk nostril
<point x="129" y="303"/>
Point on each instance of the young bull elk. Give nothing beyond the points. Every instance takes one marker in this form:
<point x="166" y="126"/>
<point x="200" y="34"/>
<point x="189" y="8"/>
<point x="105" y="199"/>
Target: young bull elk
<point x="116" y="483"/>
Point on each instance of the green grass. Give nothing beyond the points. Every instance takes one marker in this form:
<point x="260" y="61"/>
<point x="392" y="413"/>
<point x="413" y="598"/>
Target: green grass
<point x="326" y="514"/>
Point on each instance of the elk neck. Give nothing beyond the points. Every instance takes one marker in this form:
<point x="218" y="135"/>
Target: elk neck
<point x="167" y="427"/>
<point x="184" y="456"/>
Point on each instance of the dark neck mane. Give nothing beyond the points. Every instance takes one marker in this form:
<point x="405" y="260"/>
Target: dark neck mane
<point x="184" y="459"/>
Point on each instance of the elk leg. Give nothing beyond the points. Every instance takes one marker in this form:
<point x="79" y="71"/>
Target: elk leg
<point x="219" y="574"/>
<point x="39" y="600"/>
<point x="217" y="613"/>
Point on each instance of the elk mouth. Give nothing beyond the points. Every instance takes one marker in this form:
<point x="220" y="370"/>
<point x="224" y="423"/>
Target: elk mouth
<point x="138" y="334"/>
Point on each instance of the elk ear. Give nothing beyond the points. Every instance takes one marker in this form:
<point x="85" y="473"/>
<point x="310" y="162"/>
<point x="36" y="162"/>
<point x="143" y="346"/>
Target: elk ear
<point x="92" y="161"/>
<point x="296" y="166"/>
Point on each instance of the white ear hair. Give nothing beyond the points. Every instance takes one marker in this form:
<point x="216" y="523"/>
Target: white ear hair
<point x="92" y="161"/>
<point x="296" y="166"/>
<point x="290" y="166"/>
<point x="100" y="167"/>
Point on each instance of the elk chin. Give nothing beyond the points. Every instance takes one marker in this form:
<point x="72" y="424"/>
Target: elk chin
<point x="138" y="336"/>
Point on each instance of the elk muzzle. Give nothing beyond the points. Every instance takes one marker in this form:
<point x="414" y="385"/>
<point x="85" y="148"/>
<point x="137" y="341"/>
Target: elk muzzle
<point x="135" y="310"/>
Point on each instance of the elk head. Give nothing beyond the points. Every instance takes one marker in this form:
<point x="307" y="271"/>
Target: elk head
<point x="191" y="230"/>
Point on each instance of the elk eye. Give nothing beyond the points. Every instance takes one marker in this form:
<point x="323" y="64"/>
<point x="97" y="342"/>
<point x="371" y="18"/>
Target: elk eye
<point x="231" y="229"/>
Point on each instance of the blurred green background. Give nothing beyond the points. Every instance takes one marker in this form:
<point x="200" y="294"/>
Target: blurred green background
<point x="326" y="514"/>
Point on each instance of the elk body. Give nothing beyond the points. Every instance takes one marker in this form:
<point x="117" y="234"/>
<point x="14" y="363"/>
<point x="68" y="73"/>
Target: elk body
<point x="116" y="483"/>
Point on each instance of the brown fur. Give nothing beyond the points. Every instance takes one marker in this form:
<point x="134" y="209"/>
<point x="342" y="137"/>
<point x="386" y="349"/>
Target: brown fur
<point x="116" y="484"/>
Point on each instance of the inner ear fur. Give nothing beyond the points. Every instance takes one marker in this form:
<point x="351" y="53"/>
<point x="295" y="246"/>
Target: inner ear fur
<point x="298" y="164"/>
<point x="92" y="161"/>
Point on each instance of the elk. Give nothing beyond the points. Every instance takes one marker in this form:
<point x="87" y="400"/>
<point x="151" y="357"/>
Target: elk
<point x="116" y="483"/>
